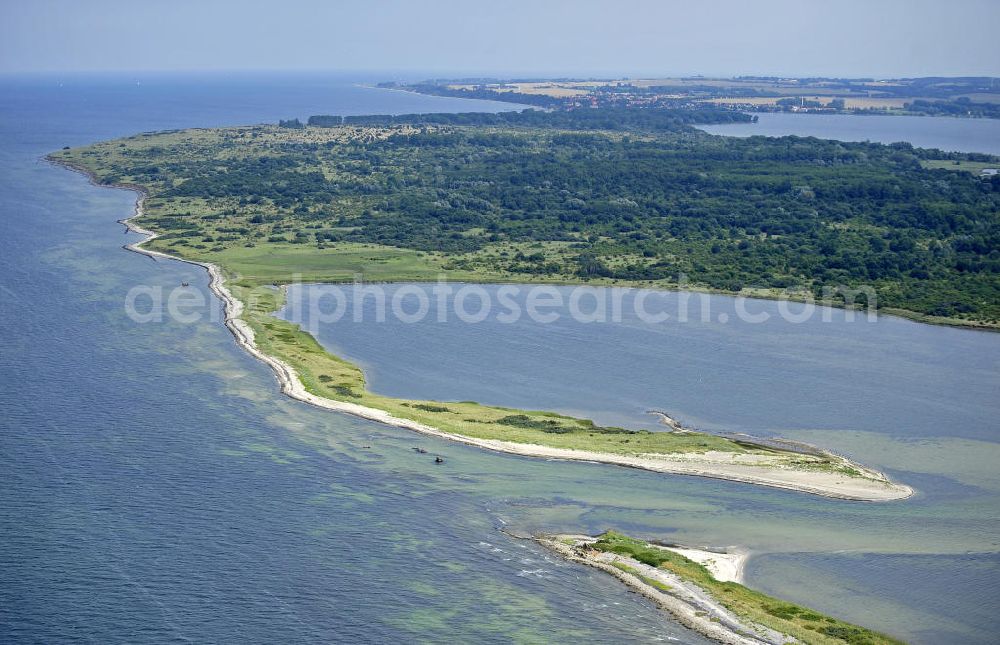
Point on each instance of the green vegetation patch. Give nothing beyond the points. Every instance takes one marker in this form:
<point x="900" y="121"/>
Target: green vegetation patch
<point x="960" y="165"/>
<point x="555" y="427"/>
<point x="427" y="407"/>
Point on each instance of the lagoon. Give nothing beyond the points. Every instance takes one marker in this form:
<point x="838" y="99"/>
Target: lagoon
<point x="710" y="361"/>
<point x="945" y="133"/>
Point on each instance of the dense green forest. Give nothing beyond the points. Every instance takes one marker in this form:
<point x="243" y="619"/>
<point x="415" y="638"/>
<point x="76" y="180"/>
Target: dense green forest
<point x="609" y="119"/>
<point x="591" y="195"/>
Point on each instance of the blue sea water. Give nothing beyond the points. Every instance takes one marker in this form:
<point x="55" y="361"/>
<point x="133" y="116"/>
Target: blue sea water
<point x="155" y="487"/>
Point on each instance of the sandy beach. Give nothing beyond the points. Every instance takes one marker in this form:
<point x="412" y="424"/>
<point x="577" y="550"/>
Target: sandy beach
<point x="724" y="566"/>
<point x="746" y="468"/>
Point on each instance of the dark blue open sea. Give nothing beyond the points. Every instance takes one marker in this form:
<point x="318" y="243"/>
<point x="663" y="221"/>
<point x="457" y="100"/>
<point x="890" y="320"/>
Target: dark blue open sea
<point x="156" y="487"/>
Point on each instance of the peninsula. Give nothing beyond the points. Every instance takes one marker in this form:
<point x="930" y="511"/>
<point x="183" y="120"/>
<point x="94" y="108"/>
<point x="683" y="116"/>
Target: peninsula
<point x="487" y="198"/>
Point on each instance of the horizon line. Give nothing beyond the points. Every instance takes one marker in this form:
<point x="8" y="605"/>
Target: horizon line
<point x="493" y="75"/>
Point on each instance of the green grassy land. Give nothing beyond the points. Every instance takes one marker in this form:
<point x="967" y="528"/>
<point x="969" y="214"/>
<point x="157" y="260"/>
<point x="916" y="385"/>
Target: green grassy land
<point x="804" y="624"/>
<point x="962" y="165"/>
<point x="283" y="263"/>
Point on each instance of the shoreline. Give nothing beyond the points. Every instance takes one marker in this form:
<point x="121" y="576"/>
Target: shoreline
<point x="825" y="484"/>
<point x="888" y="312"/>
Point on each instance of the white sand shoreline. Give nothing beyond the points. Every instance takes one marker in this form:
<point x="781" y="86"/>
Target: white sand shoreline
<point x="875" y="487"/>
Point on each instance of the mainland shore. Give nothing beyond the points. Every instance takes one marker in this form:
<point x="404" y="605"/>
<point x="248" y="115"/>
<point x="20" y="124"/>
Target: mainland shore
<point x="864" y="485"/>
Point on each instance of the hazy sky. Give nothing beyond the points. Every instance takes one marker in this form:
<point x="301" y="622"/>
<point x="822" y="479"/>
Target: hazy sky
<point x="722" y="37"/>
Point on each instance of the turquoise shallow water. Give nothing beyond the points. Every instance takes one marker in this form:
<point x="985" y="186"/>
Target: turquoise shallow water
<point x="157" y="488"/>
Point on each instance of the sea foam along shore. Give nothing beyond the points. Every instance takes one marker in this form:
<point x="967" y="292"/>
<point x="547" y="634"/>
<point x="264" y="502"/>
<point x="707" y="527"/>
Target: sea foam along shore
<point x="873" y="486"/>
<point x="691" y="605"/>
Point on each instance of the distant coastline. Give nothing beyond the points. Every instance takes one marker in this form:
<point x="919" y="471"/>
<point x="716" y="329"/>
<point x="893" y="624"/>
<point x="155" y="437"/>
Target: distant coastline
<point x="922" y="96"/>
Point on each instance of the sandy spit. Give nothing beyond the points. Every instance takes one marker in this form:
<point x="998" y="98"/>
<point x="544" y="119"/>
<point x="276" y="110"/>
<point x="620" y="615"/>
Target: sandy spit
<point x="717" y="465"/>
<point x="691" y="605"/>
